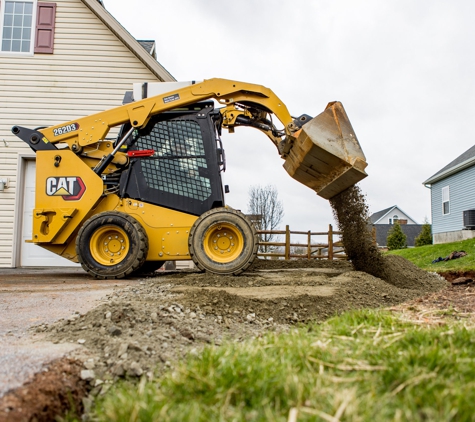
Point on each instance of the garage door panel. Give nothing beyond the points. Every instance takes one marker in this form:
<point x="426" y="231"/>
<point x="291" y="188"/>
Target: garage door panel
<point x="33" y="255"/>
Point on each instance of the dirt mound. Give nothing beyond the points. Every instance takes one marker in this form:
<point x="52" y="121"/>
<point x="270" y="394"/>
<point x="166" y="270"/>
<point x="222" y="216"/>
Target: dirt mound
<point x="404" y="274"/>
<point x="142" y="329"/>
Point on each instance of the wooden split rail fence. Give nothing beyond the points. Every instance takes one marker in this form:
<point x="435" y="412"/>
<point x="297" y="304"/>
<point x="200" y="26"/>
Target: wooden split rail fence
<point x="330" y="249"/>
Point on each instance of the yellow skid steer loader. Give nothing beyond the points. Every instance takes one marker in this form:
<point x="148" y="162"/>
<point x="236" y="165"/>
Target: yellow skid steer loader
<point x="154" y="194"/>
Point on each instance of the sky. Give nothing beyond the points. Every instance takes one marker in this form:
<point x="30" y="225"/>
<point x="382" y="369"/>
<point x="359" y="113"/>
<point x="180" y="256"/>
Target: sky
<point x="403" y="69"/>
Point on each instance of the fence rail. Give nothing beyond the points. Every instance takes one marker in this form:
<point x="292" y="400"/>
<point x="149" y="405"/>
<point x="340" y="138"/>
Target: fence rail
<point x="330" y="250"/>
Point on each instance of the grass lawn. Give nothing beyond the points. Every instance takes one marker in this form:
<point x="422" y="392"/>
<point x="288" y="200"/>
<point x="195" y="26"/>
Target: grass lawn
<point x="424" y="255"/>
<point x="360" y="366"/>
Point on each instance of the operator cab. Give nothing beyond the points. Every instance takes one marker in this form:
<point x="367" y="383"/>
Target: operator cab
<point x="184" y="172"/>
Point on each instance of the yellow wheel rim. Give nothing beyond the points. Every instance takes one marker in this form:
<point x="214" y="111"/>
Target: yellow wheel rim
<point x="109" y="245"/>
<point x="223" y="242"/>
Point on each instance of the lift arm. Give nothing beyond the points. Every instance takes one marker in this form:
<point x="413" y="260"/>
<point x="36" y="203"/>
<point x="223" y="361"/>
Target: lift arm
<point x="89" y="130"/>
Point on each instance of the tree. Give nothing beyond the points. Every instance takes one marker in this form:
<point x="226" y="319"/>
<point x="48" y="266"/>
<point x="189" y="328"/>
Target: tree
<point x="396" y="238"/>
<point x="425" y="236"/>
<point x="266" y="212"/>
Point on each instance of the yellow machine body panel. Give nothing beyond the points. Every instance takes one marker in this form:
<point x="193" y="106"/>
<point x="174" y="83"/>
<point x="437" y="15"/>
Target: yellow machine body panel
<point x="167" y="230"/>
<point x="66" y="191"/>
<point x="68" y="249"/>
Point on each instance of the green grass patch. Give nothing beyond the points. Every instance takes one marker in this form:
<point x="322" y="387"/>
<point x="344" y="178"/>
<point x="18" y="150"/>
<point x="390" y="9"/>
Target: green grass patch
<point x="423" y="256"/>
<point x="360" y="366"/>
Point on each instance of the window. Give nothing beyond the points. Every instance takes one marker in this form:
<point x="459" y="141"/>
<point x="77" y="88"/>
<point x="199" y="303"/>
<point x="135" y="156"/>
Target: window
<point x="180" y="155"/>
<point x="395" y="219"/>
<point x="27" y="27"/>
<point x="17" y="26"/>
<point x="445" y="200"/>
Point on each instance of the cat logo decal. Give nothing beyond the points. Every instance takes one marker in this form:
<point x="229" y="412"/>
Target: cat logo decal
<point x="70" y="188"/>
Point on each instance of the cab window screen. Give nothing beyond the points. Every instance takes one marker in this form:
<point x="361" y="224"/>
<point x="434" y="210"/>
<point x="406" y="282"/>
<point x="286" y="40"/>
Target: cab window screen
<point x="179" y="156"/>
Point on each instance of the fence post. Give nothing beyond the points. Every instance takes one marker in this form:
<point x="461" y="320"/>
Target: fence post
<point x="373" y="233"/>
<point x="287" y="243"/>
<point x="309" y="249"/>
<point x="330" y="242"/>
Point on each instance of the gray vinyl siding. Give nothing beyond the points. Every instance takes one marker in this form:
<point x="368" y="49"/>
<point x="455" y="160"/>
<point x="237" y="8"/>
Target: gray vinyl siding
<point x="462" y="197"/>
<point x="89" y="71"/>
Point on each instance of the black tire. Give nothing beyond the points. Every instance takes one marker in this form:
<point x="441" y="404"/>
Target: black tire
<point x="149" y="267"/>
<point x="223" y="241"/>
<point x="111" y="245"/>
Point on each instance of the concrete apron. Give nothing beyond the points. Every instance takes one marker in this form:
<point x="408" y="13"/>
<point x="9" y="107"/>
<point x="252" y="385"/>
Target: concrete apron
<point x="34" y="296"/>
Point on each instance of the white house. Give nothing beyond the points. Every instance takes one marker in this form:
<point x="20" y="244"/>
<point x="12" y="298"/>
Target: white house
<point x="58" y="61"/>
<point x="390" y="216"/>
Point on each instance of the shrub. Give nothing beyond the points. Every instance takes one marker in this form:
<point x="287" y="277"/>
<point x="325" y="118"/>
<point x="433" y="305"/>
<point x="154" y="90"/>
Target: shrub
<point x="396" y="238"/>
<point x="425" y="236"/>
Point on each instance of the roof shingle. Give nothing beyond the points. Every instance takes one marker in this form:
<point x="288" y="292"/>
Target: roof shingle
<point x="463" y="158"/>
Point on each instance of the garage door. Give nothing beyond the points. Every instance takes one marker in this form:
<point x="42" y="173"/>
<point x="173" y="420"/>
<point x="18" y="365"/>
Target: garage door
<point x="32" y="255"/>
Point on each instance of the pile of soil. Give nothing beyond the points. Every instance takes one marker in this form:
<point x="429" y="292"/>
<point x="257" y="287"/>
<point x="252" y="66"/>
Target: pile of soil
<point x="143" y="329"/>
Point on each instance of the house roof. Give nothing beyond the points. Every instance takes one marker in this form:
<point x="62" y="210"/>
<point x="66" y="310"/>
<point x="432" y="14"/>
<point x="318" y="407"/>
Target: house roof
<point x="467" y="159"/>
<point x="374" y="218"/>
<point x="410" y="230"/>
<point x="377" y="216"/>
<point x="149" y="46"/>
<point x="132" y="44"/>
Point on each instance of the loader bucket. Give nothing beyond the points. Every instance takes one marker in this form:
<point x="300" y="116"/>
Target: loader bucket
<point x="326" y="155"/>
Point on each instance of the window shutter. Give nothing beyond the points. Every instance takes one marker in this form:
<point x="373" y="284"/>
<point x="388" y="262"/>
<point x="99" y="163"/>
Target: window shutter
<point x="45" y="19"/>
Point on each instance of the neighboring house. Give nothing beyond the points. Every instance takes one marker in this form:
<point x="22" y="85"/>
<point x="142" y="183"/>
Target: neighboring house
<point x="58" y="61"/>
<point x="384" y="220"/>
<point x="452" y="191"/>
<point x="390" y="216"/>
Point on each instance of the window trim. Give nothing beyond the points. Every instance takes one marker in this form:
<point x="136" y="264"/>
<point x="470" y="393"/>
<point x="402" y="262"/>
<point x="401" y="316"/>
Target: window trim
<point x="33" y="30"/>
<point x="446" y="196"/>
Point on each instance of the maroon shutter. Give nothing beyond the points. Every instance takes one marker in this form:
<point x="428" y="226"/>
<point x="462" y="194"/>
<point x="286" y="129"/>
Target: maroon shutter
<point x="45" y="17"/>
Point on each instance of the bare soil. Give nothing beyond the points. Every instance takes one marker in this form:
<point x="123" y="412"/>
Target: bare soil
<point x="50" y="393"/>
<point x="144" y="329"/>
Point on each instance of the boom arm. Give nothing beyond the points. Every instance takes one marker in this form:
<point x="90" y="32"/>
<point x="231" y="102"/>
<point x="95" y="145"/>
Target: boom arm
<point x="92" y="129"/>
